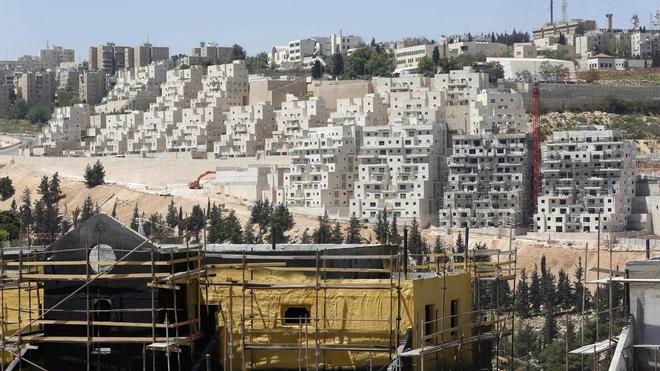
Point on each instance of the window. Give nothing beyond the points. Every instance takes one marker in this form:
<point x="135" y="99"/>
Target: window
<point x="454" y="316"/>
<point x="296" y="315"/>
<point x="429" y="319"/>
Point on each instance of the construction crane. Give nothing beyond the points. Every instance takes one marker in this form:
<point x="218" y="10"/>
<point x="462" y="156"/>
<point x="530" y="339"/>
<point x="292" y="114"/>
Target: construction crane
<point x="195" y="183"/>
<point x="536" y="144"/>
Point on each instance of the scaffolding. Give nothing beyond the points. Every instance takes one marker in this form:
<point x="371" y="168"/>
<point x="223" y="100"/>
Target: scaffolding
<point x="27" y="271"/>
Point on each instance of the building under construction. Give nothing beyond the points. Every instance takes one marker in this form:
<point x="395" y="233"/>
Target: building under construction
<point x="104" y="297"/>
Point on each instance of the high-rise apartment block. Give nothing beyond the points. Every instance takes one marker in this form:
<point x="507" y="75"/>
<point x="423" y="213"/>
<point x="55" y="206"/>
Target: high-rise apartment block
<point x="52" y="58"/>
<point x="588" y="179"/>
<point x="92" y="86"/>
<point x="37" y="88"/>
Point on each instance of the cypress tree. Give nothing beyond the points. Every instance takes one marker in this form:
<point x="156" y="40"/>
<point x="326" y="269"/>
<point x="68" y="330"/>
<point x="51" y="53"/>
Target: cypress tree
<point x="522" y="296"/>
<point x="564" y="291"/>
<point x="535" y="291"/>
<point x="114" y="210"/>
<point x="395" y="237"/>
<point x="87" y="209"/>
<point x="549" y="326"/>
<point x="280" y="222"/>
<point x="232" y="228"/>
<point x="382" y="227"/>
<point x="415" y="243"/>
<point x="337" y="236"/>
<point x="305" y="238"/>
<point x="172" y="219"/>
<point x="134" y="218"/>
<point x="215" y="232"/>
<point x="353" y="231"/>
<point x="248" y="234"/>
<point x="323" y="234"/>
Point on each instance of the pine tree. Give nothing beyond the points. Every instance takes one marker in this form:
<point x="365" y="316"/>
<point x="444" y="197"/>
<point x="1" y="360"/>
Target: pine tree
<point x="564" y="291"/>
<point x="281" y="221"/>
<point x="55" y="188"/>
<point x="549" y="326"/>
<point x="208" y="207"/>
<point x="75" y="216"/>
<point x="114" y="210"/>
<point x="579" y="290"/>
<point x="172" y="219"/>
<point x="522" y="296"/>
<point x="535" y="292"/>
<point x="14" y="206"/>
<point x="196" y="221"/>
<point x="215" y="231"/>
<point x="6" y="188"/>
<point x="395" y="237"/>
<point x="438" y="247"/>
<point x="232" y="228"/>
<point x="87" y="209"/>
<point x="337" y="237"/>
<point x="25" y="212"/>
<point x="44" y="190"/>
<point x="337" y="64"/>
<point x="248" y="234"/>
<point x="353" y="231"/>
<point x="460" y="248"/>
<point x="382" y="227"/>
<point x="260" y="215"/>
<point x="415" y="243"/>
<point x="157" y="228"/>
<point x="94" y="175"/>
<point x="305" y="238"/>
<point x="323" y="234"/>
<point x="134" y="219"/>
<point x="317" y="70"/>
<point x="436" y="56"/>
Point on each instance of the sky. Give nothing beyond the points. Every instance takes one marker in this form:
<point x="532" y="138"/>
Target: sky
<point x="28" y="25"/>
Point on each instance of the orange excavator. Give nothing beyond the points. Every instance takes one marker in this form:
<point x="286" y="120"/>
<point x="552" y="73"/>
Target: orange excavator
<point x="195" y="184"/>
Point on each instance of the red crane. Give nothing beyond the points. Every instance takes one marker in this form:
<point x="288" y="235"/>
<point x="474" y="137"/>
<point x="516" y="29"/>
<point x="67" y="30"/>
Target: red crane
<point x="536" y="144"/>
<point x="195" y="183"/>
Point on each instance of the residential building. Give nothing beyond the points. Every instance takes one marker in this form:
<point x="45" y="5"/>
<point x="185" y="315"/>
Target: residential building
<point x="246" y="130"/>
<point x="65" y="130"/>
<point x="568" y="28"/>
<point x="294" y="119"/>
<point x="524" y="50"/>
<point x="52" y="58"/>
<point x="423" y="105"/>
<point x="386" y="85"/>
<point x="369" y="110"/>
<point x="400" y="170"/>
<point x="146" y="54"/>
<point x="92" y="86"/>
<point x="109" y="57"/>
<point x="278" y="55"/>
<point x="5" y="91"/>
<point x="322" y="170"/>
<point x="488" y="182"/>
<point x="135" y="89"/>
<point x="67" y="76"/>
<point x="210" y="53"/>
<point x="487" y="48"/>
<point x="408" y="58"/>
<point x="461" y="87"/>
<point x="588" y="179"/>
<point x="342" y="44"/>
<point x="645" y="44"/>
<point x="275" y="90"/>
<point x="497" y="112"/>
<point x="37" y="88"/>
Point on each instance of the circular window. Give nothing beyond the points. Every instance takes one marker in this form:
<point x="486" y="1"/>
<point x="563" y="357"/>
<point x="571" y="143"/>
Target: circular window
<point x="101" y="257"/>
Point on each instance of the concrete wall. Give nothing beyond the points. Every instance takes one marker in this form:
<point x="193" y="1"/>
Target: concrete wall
<point x="330" y="91"/>
<point x="564" y="96"/>
<point x="275" y="91"/>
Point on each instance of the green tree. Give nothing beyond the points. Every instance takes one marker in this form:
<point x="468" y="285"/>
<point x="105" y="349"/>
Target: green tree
<point x="337" y="62"/>
<point x="460" y="248"/>
<point x="525" y="342"/>
<point x="19" y="109"/>
<point x="581" y="294"/>
<point x="66" y="98"/>
<point x="317" y="70"/>
<point x="216" y="232"/>
<point x="6" y="188"/>
<point x="281" y="221"/>
<point x="172" y="219"/>
<point x="260" y="215"/>
<point x="305" y="238"/>
<point x="237" y="53"/>
<point x="248" y="234"/>
<point x="535" y="298"/>
<point x="367" y="61"/>
<point x="94" y="175"/>
<point x="25" y="211"/>
<point x="55" y="188"/>
<point x="522" y="305"/>
<point x="134" y="218"/>
<point x="257" y="63"/>
<point x="10" y="223"/>
<point x="494" y="70"/>
<point x="38" y="114"/>
<point x="323" y="234"/>
<point x="382" y="227"/>
<point x="337" y="236"/>
<point x="158" y="231"/>
<point x="196" y="221"/>
<point x="114" y="210"/>
<point x="353" y="231"/>
<point x="394" y="236"/>
<point x="549" y="326"/>
<point x="564" y="290"/>
<point x="232" y="228"/>
<point x="415" y="242"/>
<point x="87" y="209"/>
<point x="426" y="67"/>
<point x="435" y="56"/>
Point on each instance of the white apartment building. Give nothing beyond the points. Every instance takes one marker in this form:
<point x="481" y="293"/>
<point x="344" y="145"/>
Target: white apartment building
<point x="498" y="112"/>
<point x="65" y="129"/>
<point x="293" y="119"/>
<point x="487" y="48"/>
<point x="407" y="59"/>
<point x="586" y="173"/>
<point x="322" y="170"/>
<point x="342" y="44"/>
<point x="461" y="87"/>
<point x="423" y="105"/>
<point x="110" y="133"/>
<point x="400" y="168"/>
<point x="645" y="45"/>
<point x="247" y="128"/>
<point x="369" y="110"/>
<point x="180" y="87"/>
<point x="135" y="89"/>
<point x="386" y="85"/>
<point x="488" y="182"/>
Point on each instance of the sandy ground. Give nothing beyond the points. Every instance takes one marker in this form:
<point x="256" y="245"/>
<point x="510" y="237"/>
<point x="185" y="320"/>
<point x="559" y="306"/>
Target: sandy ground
<point x="155" y="197"/>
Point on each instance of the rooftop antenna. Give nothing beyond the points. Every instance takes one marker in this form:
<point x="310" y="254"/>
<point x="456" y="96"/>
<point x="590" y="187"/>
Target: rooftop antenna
<point x="564" y="11"/>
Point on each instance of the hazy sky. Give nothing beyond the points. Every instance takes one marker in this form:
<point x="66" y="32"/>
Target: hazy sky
<point x="26" y="25"/>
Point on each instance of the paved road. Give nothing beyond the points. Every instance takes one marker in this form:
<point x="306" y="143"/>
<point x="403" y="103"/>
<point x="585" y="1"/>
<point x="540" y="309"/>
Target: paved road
<point x="12" y="150"/>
